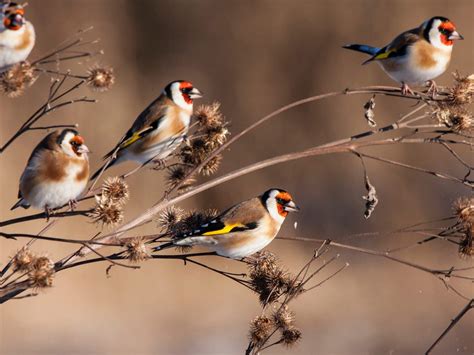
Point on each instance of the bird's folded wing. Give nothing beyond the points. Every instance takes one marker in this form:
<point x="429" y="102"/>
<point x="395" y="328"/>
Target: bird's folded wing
<point x="399" y="45"/>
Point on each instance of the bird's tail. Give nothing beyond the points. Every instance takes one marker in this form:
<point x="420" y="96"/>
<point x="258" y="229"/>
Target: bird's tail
<point x="372" y="51"/>
<point x="20" y="203"/>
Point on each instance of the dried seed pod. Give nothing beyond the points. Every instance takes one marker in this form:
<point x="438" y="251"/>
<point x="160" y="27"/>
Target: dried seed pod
<point x="100" y="78"/>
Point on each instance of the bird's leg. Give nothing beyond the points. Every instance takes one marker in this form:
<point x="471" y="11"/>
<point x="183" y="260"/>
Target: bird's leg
<point x="406" y="90"/>
<point x="159" y="164"/>
<point x="432" y="88"/>
<point x="72" y="204"/>
<point x="48" y="212"/>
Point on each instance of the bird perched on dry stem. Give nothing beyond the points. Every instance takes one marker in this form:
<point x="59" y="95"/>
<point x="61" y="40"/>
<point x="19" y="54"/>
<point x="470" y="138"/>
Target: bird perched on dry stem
<point x="416" y="56"/>
<point x="17" y="36"/>
<point x="159" y="129"/>
<point x="243" y="229"/>
<point x="56" y="172"/>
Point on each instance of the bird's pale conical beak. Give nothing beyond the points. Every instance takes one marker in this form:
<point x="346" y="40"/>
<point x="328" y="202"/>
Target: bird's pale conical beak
<point x="291" y="207"/>
<point x="195" y="94"/>
<point x="83" y="149"/>
<point x="455" y="35"/>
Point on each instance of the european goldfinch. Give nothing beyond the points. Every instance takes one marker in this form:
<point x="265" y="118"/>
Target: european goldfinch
<point x="57" y="172"/>
<point x="243" y="229"/>
<point x="415" y="56"/>
<point x="17" y="36"/>
<point x="159" y="129"/>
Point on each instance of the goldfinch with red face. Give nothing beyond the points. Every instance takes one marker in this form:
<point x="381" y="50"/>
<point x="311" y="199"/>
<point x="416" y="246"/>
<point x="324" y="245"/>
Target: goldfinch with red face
<point x="159" y="129"/>
<point x="415" y="56"/>
<point x="17" y="36"/>
<point x="57" y="172"/>
<point x="243" y="229"/>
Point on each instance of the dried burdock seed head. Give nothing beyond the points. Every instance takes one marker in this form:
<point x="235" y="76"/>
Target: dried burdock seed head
<point x="216" y="136"/>
<point x="463" y="90"/>
<point x="290" y="337"/>
<point x="23" y="260"/>
<point x="263" y="262"/>
<point x="100" y="78"/>
<point x="269" y="280"/>
<point x="456" y="118"/>
<point x="41" y="273"/>
<point x="191" y="221"/>
<point x="136" y="250"/>
<point x="106" y="212"/>
<point x="177" y="175"/>
<point x="283" y="317"/>
<point x="464" y="209"/>
<point x="169" y="217"/>
<point x="209" y="115"/>
<point x="260" y="329"/>
<point x="212" y="166"/>
<point x="15" y="80"/>
<point x="466" y="249"/>
<point x="116" y="190"/>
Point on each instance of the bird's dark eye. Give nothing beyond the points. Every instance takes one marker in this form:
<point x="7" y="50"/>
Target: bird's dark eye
<point x="281" y="201"/>
<point x="186" y="90"/>
<point x="74" y="144"/>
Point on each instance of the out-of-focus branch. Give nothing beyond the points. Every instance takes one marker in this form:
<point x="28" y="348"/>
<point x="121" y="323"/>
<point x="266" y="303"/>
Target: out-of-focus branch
<point x="454" y="321"/>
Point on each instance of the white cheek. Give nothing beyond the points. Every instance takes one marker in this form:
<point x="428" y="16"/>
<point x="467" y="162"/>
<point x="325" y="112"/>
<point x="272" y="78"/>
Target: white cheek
<point x="273" y="210"/>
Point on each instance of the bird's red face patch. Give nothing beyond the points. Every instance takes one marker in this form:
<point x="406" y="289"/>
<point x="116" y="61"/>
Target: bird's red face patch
<point x="185" y="87"/>
<point x="76" y="142"/>
<point x="14" y="18"/>
<point x="282" y="199"/>
<point x="446" y="29"/>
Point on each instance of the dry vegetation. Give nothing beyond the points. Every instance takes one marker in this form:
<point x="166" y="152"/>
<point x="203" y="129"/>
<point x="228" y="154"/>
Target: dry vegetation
<point x="445" y="120"/>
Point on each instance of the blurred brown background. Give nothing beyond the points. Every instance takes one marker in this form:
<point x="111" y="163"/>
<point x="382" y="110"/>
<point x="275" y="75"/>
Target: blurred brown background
<point x="252" y="56"/>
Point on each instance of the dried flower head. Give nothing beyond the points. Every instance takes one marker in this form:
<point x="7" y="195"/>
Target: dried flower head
<point x="260" y="329"/>
<point x="456" y="118"/>
<point x="269" y="280"/>
<point x="291" y="336"/>
<point x="116" y="190"/>
<point x="177" y="175"/>
<point x="136" y="250"/>
<point x="212" y="166"/>
<point x="107" y="212"/>
<point x="216" y="136"/>
<point x="15" y="80"/>
<point x="466" y="249"/>
<point x="283" y="317"/>
<point x="41" y="273"/>
<point x="209" y="115"/>
<point x="169" y="217"/>
<point x="464" y="209"/>
<point x="100" y="79"/>
<point x="463" y="90"/>
<point x="23" y="259"/>
<point x="191" y="221"/>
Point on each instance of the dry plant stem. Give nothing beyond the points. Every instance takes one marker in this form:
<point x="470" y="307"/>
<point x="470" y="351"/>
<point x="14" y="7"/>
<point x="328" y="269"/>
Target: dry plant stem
<point x="42" y="215"/>
<point x="344" y="145"/>
<point x="439" y="274"/>
<point x="454" y="321"/>
<point x="47" y="108"/>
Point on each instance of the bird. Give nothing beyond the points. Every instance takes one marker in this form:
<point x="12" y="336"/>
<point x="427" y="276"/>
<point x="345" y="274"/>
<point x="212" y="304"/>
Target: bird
<point x="415" y="56"/>
<point x="17" y="36"/>
<point x="159" y="129"/>
<point x="56" y="173"/>
<point x="243" y="229"/>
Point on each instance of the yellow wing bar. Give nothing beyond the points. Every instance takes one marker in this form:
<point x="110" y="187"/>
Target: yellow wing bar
<point x="224" y="230"/>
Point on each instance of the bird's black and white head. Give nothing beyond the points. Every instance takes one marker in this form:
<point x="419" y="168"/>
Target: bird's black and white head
<point x="13" y="16"/>
<point x="182" y="93"/>
<point x="278" y="203"/>
<point x="72" y="143"/>
<point x="440" y="32"/>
